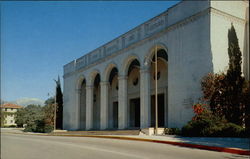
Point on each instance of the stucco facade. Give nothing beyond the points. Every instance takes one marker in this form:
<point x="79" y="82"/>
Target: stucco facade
<point x="113" y="86"/>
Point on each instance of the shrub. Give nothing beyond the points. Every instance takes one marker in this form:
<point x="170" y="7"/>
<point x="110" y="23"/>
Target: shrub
<point x="39" y="126"/>
<point x="10" y="126"/>
<point x="232" y="130"/>
<point x="205" y="123"/>
<point x="172" y="131"/>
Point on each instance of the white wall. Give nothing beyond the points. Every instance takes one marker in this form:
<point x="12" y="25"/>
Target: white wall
<point x="220" y="23"/>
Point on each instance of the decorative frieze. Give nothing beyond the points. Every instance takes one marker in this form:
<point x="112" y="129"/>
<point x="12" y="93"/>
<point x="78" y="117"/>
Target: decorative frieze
<point x="95" y="55"/>
<point x="81" y="62"/>
<point x="112" y="47"/>
<point x="130" y="38"/>
<point x="155" y="25"/>
<point x="70" y="67"/>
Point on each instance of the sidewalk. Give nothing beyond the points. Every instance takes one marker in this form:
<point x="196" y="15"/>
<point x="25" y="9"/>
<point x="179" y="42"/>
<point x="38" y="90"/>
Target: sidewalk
<point x="230" y="145"/>
<point x="240" y="143"/>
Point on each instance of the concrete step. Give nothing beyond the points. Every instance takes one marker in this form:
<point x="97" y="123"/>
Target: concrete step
<point x="99" y="132"/>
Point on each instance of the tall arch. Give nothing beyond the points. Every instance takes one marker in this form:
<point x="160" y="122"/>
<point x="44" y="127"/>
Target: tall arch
<point x="127" y="62"/>
<point x="113" y="99"/>
<point x="132" y="72"/>
<point x="96" y="102"/>
<point x="162" y="84"/>
<point x="81" y="88"/>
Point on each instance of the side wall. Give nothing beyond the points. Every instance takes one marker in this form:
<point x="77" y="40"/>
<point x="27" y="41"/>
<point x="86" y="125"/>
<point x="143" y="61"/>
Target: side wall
<point x="223" y="14"/>
<point x="70" y="109"/>
<point x="189" y="60"/>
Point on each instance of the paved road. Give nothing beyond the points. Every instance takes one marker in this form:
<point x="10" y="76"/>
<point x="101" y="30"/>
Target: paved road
<point x="18" y="146"/>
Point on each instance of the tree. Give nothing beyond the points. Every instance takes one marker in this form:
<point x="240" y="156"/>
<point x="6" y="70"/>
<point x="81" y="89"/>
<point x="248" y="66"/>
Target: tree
<point x="246" y="101"/>
<point x="29" y="115"/>
<point x="2" y="118"/>
<point x="21" y="117"/>
<point x="49" y="113"/>
<point x="227" y="94"/>
<point x="59" y="104"/>
<point x="234" y="80"/>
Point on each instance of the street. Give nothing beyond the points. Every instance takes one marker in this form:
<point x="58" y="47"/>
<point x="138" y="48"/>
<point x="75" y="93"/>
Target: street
<point x="18" y="146"/>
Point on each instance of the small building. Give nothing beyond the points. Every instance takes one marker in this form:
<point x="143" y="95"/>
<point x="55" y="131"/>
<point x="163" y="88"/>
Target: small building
<point x="9" y="110"/>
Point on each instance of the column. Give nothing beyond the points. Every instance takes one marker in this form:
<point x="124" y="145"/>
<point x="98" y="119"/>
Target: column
<point x="89" y="107"/>
<point x="145" y="97"/>
<point x="122" y="102"/>
<point x="78" y="97"/>
<point x="104" y="105"/>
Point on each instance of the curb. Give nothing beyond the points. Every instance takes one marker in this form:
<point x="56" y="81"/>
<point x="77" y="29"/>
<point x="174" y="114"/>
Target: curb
<point x="203" y="147"/>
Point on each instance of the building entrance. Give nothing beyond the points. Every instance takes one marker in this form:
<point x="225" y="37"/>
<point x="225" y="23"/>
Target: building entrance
<point x="161" y="110"/>
<point x="134" y="113"/>
<point x="115" y="115"/>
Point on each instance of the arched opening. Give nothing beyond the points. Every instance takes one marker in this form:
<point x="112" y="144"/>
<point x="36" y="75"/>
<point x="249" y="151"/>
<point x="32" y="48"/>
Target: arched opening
<point x="96" y="103"/>
<point x="134" y="94"/>
<point x="162" y="88"/>
<point x="83" y="105"/>
<point x="113" y="99"/>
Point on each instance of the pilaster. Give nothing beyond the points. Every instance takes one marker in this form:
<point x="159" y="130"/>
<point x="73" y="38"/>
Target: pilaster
<point x="104" y="105"/>
<point x="77" y="114"/>
<point x="89" y="107"/>
<point x="145" y="97"/>
<point x="122" y="102"/>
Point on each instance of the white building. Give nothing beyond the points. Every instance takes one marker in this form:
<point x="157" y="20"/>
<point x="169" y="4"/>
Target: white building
<point x="9" y="110"/>
<point x="113" y="86"/>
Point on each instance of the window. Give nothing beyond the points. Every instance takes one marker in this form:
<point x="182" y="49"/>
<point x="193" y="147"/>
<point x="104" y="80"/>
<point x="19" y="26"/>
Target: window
<point x="158" y="75"/>
<point x="11" y="121"/>
<point x="135" y="81"/>
<point x="11" y="108"/>
<point x="6" y="109"/>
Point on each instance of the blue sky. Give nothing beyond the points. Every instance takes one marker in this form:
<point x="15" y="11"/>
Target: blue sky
<point x="38" y="38"/>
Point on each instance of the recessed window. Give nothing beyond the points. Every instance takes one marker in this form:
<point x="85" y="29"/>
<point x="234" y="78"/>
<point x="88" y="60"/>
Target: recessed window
<point x="158" y="75"/>
<point x="94" y="97"/>
<point x="135" y="81"/>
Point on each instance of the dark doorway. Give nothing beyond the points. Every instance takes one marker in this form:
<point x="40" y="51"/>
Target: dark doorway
<point x="115" y="115"/>
<point x="161" y="110"/>
<point x="134" y="112"/>
<point x="96" y="103"/>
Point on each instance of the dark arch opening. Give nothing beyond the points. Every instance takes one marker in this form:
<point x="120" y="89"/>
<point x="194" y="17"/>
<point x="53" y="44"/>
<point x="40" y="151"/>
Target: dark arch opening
<point x="113" y="73"/>
<point x="83" y="105"/>
<point x="134" y="64"/>
<point x="134" y="110"/>
<point x="96" y="103"/>
<point x="113" y="99"/>
<point x="161" y="54"/>
<point x="97" y="80"/>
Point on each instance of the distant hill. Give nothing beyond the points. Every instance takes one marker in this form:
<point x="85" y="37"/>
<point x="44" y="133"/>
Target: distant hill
<point x="28" y="101"/>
